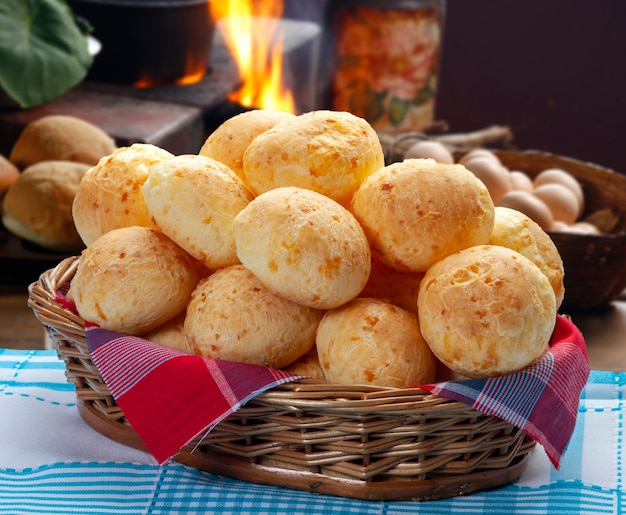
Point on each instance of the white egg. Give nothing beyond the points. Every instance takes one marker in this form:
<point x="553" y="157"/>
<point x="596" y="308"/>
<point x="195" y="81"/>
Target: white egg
<point x="556" y="175"/>
<point x="430" y="149"/>
<point x="521" y="181"/>
<point x="561" y="201"/>
<point x="530" y="205"/>
<point x="492" y="174"/>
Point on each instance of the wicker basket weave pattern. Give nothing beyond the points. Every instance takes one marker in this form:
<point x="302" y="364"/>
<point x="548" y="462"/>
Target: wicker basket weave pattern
<point x="350" y="440"/>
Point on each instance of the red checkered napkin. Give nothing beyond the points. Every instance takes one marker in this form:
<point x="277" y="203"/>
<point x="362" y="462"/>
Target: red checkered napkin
<point x="542" y="399"/>
<point x="170" y="397"/>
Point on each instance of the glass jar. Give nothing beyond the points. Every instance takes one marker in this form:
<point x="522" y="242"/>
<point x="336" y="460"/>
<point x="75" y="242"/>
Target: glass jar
<point x="386" y="61"/>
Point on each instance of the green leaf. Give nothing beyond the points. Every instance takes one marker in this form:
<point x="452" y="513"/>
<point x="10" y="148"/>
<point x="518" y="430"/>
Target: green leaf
<point x="376" y="108"/>
<point x="42" y="51"/>
<point x="426" y="94"/>
<point x="363" y="101"/>
<point x="398" y="110"/>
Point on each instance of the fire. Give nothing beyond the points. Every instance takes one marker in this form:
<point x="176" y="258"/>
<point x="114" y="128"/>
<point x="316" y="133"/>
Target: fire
<point x="252" y="32"/>
<point x="191" y="76"/>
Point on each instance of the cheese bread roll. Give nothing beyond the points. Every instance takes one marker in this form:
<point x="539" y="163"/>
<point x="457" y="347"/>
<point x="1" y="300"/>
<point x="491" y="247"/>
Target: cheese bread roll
<point x="486" y="311"/>
<point x="418" y="211"/>
<point x="330" y="152"/>
<point x="194" y="200"/>
<point x="230" y="140"/>
<point x="132" y="280"/>
<point x="303" y="246"/>
<point x="517" y="231"/>
<point x="369" y="341"/>
<point x="110" y="194"/>
<point x="233" y="316"/>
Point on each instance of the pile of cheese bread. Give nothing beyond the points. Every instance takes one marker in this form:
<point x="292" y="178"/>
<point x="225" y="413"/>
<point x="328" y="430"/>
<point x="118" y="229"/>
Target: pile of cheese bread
<point x="287" y="242"/>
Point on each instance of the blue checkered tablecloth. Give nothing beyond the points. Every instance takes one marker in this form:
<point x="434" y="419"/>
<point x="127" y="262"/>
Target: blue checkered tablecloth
<point x="52" y="462"/>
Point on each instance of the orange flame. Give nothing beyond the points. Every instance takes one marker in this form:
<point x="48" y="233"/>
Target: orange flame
<point x="259" y="59"/>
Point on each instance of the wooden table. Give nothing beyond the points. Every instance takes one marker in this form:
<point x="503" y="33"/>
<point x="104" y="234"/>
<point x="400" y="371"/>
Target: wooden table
<point x="605" y="334"/>
<point x="19" y="329"/>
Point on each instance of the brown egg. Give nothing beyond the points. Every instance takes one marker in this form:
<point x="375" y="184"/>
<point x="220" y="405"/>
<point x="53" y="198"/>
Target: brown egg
<point x="531" y="206"/>
<point x="430" y="149"/>
<point x="561" y="201"/>
<point x="556" y="175"/>
<point x="521" y="181"/>
<point x="559" y="226"/>
<point x="492" y="174"/>
<point x="479" y="152"/>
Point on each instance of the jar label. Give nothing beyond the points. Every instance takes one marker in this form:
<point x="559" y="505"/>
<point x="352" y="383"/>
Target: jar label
<point x="387" y="64"/>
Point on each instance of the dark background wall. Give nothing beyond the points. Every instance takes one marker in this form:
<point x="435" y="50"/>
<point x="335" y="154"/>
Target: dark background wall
<point x="554" y="71"/>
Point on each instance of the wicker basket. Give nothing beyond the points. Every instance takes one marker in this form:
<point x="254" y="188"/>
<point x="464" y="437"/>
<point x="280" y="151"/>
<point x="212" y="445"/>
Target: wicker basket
<point x="360" y="442"/>
<point x="595" y="265"/>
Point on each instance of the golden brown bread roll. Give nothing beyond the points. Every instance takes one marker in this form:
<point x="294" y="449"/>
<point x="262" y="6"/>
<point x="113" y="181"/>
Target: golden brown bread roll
<point x="517" y="231"/>
<point x="486" y="311"/>
<point x="233" y="316"/>
<point x="230" y="140"/>
<point x="325" y="151"/>
<point x="8" y="174"/>
<point x="61" y="138"/>
<point x="132" y="280"/>
<point x="110" y="195"/>
<point x="38" y="205"/>
<point x="194" y="200"/>
<point x="369" y="341"/>
<point x="418" y="211"/>
<point x="303" y="246"/>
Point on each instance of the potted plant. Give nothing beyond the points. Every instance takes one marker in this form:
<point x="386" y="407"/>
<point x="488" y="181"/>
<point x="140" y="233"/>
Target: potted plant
<point x="43" y="51"/>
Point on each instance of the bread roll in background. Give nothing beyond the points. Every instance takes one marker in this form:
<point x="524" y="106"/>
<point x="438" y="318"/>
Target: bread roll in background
<point x="194" y="200"/>
<point x="330" y="152"/>
<point x="307" y="365"/>
<point x="303" y="246"/>
<point x="230" y="140"/>
<point x="486" y="311"/>
<point x="38" y="205"/>
<point x="418" y="211"/>
<point x="61" y="138"/>
<point x="399" y="288"/>
<point x="171" y="334"/>
<point x="132" y="280"/>
<point x="110" y="195"/>
<point x="8" y="174"/>
<point x="233" y="316"/>
<point x="515" y="230"/>
<point x="369" y="341"/>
